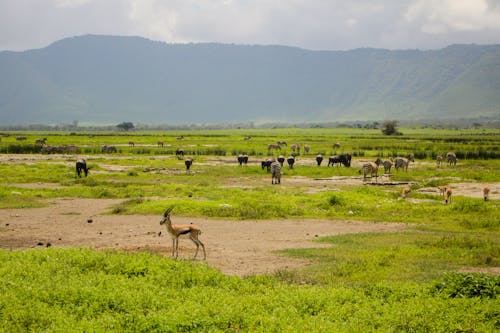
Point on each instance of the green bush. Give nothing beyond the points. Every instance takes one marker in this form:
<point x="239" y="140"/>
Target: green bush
<point x="468" y="285"/>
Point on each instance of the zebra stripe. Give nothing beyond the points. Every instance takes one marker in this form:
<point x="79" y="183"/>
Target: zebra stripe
<point x="370" y="168"/>
<point x="275" y="173"/>
<point x="451" y="158"/>
<point x="401" y="162"/>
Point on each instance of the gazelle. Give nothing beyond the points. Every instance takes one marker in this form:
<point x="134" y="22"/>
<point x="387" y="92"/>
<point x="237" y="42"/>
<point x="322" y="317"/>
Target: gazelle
<point x="447" y="198"/>
<point x="486" y="193"/>
<point x="177" y="230"/>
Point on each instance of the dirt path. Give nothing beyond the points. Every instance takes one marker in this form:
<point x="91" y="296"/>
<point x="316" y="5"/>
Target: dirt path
<point x="234" y="247"/>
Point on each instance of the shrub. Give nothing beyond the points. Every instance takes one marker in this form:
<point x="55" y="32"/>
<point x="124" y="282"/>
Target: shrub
<point x="455" y="285"/>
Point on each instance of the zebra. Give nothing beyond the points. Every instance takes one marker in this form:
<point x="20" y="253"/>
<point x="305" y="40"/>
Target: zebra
<point x="41" y="142"/>
<point x="281" y="160"/>
<point x="274" y="146"/>
<point x="188" y="162"/>
<point x="439" y="161"/>
<point x="451" y="158"/>
<point x="411" y="157"/>
<point x="81" y="167"/>
<point x="275" y="173"/>
<point x="319" y="159"/>
<point x="291" y="161"/>
<point x="306" y="149"/>
<point x="370" y="168"/>
<point x="387" y="166"/>
<point x="401" y="162"/>
<point x="295" y="147"/>
<point x="242" y="159"/>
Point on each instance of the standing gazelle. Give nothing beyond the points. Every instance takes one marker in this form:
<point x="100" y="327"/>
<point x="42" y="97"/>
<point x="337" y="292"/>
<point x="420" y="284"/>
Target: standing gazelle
<point x="177" y="230"/>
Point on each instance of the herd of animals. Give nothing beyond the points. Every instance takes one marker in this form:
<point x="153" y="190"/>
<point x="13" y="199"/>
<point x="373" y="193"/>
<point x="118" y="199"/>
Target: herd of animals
<point x="273" y="166"/>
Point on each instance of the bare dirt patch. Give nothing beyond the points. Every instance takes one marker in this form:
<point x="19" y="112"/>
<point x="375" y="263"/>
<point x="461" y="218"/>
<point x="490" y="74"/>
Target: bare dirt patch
<point x="233" y="247"/>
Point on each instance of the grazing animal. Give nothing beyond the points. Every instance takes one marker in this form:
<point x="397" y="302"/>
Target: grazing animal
<point x="81" y="167"/>
<point x="411" y="157"/>
<point x="282" y="143"/>
<point x="370" y="168"/>
<point x="180" y="137"/>
<point x="108" y="149"/>
<point x="281" y="160"/>
<point x="442" y="190"/>
<point x="486" y="193"/>
<point x="131" y="143"/>
<point x="179" y="153"/>
<point x="242" y="159"/>
<point x="266" y="164"/>
<point x="447" y="198"/>
<point x="159" y="143"/>
<point x="344" y="159"/>
<point x="402" y="163"/>
<point x="188" y="162"/>
<point x="439" y="161"/>
<point x="21" y="138"/>
<point x="387" y="166"/>
<point x="451" y="158"/>
<point x="275" y="173"/>
<point x="319" y="159"/>
<point x="406" y="192"/>
<point x="295" y="147"/>
<point x="291" y="161"/>
<point x="177" y="230"/>
<point x="306" y="149"/>
<point x="336" y="145"/>
<point x="41" y="142"/>
<point x="274" y="146"/>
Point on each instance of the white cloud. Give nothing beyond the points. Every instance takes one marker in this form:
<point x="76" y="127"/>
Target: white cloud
<point x="444" y="16"/>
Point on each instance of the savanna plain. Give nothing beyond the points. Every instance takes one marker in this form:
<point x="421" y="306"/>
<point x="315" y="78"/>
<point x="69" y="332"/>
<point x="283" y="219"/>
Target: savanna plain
<point x="323" y="251"/>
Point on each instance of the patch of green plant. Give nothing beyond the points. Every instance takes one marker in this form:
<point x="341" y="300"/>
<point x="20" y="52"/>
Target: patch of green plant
<point x="85" y="290"/>
<point x="468" y="285"/>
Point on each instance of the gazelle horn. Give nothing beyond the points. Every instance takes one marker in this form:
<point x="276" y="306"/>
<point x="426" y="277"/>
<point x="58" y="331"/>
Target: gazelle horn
<point x="167" y="212"/>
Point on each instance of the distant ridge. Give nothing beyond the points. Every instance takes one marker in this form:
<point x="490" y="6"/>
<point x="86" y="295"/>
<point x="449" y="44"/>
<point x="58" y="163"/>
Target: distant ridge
<point x="106" y="79"/>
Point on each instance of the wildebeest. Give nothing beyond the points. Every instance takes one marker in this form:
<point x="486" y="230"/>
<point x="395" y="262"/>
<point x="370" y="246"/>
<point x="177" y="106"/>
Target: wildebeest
<point x="159" y="143"/>
<point x="275" y="172"/>
<point x="281" y="160"/>
<point x="188" y="162"/>
<point x="291" y="161"/>
<point x="131" y="143"/>
<point x="266" y="164"/>
<point x="81" y="167"/>
<point x="319" y="159"/>
<point x="108" y="149"/>
<point x="242" y="159"/>
<point x="344" y="159"/>
<point x="179" y="153"/>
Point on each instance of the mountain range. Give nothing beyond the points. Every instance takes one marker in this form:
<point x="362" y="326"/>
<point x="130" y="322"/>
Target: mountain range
<point x="110" y="79"/>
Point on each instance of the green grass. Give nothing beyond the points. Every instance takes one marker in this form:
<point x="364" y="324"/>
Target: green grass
<point x="82" y="290"/>
<point x="407" y="281"/>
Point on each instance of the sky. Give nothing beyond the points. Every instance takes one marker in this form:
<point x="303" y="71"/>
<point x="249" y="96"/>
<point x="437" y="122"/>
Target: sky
<point x="309" y="24"/>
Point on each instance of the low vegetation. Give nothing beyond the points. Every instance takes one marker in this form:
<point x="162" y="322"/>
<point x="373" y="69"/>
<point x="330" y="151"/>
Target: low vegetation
<point x="438" y="276"/>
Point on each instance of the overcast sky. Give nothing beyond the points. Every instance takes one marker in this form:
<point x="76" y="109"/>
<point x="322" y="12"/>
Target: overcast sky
<point x="310" y="24"/>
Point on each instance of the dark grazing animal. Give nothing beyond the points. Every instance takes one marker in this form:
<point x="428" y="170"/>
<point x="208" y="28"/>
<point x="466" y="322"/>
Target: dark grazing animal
<point x="179" y="153"/>
<point x="188" y="162"/>
<point x="291" y="161"/>
<point x="451" y="158"/>
<point x="319" y="159"/>
<point x="281" y="160"/>
<point x="242" y="159"/>
<point x="81" y="167"/>
<point x="344" y="159"/>
<point x="266" y="164"/>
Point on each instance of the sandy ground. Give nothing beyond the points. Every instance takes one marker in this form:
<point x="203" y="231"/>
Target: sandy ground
<point x="233" y="247"/>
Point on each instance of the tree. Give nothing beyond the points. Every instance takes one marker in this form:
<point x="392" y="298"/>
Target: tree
<point x="125" y="126"/>
<point x="390" y="127"/>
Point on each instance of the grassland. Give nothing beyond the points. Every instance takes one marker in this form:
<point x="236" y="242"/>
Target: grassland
<point x="426" y="279"/>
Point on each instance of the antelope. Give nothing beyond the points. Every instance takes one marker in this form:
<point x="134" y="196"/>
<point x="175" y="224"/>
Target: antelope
<point x="486" y="193"/>
<point x="177" y="230"/>
<point x="447" y="198"/>
<point x="442" y="190"/>
<point x="406" y="192"/>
